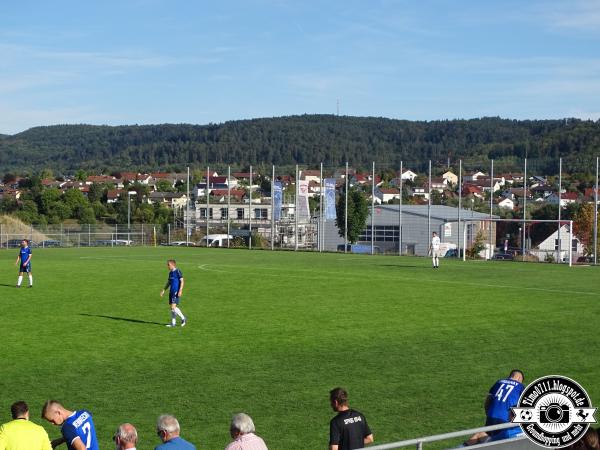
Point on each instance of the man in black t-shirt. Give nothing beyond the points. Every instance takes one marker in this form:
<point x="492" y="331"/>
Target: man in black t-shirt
<point x="349" y="429"/>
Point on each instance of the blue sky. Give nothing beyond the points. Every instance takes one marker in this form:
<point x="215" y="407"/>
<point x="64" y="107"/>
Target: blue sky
<point x="169" y="61"/>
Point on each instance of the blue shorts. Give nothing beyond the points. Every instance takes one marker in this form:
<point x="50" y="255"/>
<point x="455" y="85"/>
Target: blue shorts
<point x="173" y="298"/>
<point x="25" y="268"/>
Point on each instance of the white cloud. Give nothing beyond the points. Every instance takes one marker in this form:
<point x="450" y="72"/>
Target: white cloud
<point x="574" y="14"/>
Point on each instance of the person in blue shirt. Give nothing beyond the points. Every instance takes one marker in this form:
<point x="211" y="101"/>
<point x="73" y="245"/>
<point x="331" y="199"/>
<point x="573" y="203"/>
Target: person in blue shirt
<point x="167" y="429"/>
<point x="24" y="263"/>
<point x="502" y="396"/>
<point x="77" y="427"/>
<point x="175" y="285"/>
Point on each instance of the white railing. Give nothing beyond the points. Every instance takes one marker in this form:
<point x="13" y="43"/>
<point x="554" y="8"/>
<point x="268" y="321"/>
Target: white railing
<point x="418" y="443"/>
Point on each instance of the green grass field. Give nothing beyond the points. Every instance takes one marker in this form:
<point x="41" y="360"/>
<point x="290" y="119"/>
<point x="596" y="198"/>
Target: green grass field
<point x="270" y="333"/>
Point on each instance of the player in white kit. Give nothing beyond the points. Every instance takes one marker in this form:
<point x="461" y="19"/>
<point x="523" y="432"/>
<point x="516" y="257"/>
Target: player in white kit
<point x="434" y="249"/>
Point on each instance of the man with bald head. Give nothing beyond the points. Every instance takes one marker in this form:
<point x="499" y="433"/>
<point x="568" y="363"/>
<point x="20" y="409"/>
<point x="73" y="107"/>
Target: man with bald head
<point x="126" y="437"/>
<point x="167" y="429"/>
<point x="77" y="427"/>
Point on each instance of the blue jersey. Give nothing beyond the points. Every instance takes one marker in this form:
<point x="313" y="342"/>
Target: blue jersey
<point x="503" y="396"/>
<point x="174" y="282"/>
<point x="24" y="254"/>
<point x="80" y="425"/>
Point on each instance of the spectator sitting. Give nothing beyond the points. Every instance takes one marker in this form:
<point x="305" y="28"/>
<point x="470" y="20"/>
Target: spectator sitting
<point x="168" y="430"/>
<point x="20" y="433"/>
<point x="126" y="437"/>
<point x="242" y="431"/>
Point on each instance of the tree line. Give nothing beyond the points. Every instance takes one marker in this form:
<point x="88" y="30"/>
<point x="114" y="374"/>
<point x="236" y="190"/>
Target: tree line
<point x="304" y="140"/>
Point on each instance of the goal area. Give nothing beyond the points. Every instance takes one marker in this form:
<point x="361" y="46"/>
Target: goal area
<point x="531" y="240"/>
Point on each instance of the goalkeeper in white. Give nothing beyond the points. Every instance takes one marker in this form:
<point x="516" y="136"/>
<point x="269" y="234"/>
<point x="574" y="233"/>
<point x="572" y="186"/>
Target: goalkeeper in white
<point x="434" y="249"/>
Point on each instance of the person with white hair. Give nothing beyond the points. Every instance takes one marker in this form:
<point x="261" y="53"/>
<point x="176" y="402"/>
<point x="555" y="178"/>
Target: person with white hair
<point x="167" y="429"/>
<point x="242" y="431"/>
<point x="126" y="437"/>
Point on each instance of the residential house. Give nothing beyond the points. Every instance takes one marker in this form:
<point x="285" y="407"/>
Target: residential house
<point x="439" y="184"/>
<point x="420" y="191"/>
<point x="549" y="246"/>
<point x="450" y="177"/>
<point x="408" y="175"/>
<point x="169" y="199"/>
<point x="589" y="196"/>
<point x="473" y="191"/>
<point x="311" y="175"/>
<point x="113" y="195"/>
<point x="387" y="194"/>
<point x="473" y="176"/>
<point x="505" y="203"/>
<point x="565" y="198"/>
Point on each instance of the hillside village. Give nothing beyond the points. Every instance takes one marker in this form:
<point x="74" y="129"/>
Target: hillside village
<point x="169" y="191"/>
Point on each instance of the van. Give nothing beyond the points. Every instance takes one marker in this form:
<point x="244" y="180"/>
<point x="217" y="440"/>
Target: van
<point x="215" y="240"/>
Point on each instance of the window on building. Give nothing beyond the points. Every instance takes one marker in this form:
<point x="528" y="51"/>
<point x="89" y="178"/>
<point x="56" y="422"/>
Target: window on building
<point x="260" y="213"/>
<point x="240" y="213"/>
<point x="224" y="213"/>
<point x="383" y="233"/>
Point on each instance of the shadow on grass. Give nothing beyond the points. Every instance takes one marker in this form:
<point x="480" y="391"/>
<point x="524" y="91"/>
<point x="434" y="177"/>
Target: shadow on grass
<point x="400" y="266"/>
<point x="7" y="285"/>
<point x="124" y="319"/>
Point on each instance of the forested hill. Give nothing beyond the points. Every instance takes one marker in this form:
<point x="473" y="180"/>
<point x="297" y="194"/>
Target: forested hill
<point x="305" y="140"/>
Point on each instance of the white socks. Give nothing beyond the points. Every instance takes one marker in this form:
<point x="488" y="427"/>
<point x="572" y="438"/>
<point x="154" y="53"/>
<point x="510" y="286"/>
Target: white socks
<point x="173" y="316"/>
<point x="30" y="280"/>
<point x="178" y="312"/>
<point x="19" y="280"/>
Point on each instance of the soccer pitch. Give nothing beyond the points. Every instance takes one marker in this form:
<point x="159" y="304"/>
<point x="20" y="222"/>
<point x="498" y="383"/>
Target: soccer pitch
<point x="270" y="333"/>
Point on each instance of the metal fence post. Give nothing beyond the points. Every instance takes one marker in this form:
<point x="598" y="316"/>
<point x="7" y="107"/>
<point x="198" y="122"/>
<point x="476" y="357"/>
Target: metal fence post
<point x="570" y="243"/>
<point x="373" y="210"/>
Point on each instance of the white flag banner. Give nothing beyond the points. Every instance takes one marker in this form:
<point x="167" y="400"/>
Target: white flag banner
<point x="303" y="211"/>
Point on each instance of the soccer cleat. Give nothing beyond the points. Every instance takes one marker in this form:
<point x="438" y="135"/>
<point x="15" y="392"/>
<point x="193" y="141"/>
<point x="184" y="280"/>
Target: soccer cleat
<point x="169" y="325"/>
<point x="183" y="322"/>
<point x="17" y="286"/>
<point x="30" y="286"/>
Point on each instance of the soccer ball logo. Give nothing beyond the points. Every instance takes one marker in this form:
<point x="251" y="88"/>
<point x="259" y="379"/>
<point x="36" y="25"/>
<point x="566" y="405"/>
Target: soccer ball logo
<point x="526" y="415"/>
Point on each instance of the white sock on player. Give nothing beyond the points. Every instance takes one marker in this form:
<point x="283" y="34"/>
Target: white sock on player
<point x="173" y="318"/>
<point x="30" y="280"/>
<point x="19" y="280"/>
<point x="179" y="313"/>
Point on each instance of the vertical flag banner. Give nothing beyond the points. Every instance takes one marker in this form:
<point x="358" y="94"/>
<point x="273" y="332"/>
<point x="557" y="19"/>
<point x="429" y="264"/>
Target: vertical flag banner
<point x="277" y="199"/>
<point x="303" y="211"/>
<point x="330" y="198"/>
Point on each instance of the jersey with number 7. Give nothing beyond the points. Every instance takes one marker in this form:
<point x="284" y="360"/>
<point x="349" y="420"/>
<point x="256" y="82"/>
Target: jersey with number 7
<point x="80" y="426"/>
<point x="504" y="394"/>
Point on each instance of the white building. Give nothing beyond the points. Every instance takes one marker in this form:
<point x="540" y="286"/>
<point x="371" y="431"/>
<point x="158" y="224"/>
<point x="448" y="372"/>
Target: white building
<point x="549" y="246"/>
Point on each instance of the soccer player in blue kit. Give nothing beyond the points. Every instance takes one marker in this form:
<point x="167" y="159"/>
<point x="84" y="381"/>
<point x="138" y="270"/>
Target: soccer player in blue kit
<point x="502" y="396"/>
<point x="24" y="263"/>
<point x="175" y="286"/>
<point x="77" y="427"/>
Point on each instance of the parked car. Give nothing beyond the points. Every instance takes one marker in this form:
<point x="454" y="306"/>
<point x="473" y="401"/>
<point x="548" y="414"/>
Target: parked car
<point x="183" y="244"/>
<point x="215" y="240"/>
<point x="50" y="243"/>
<point x="585" y="259"/>
<point x="451" y="253"/>
<point x="16" y="243"/>
<point x="504" y="256"/>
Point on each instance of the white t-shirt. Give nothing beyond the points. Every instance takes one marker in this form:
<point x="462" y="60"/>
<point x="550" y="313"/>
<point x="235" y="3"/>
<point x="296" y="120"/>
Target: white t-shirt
<point x="435" y="243"/>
